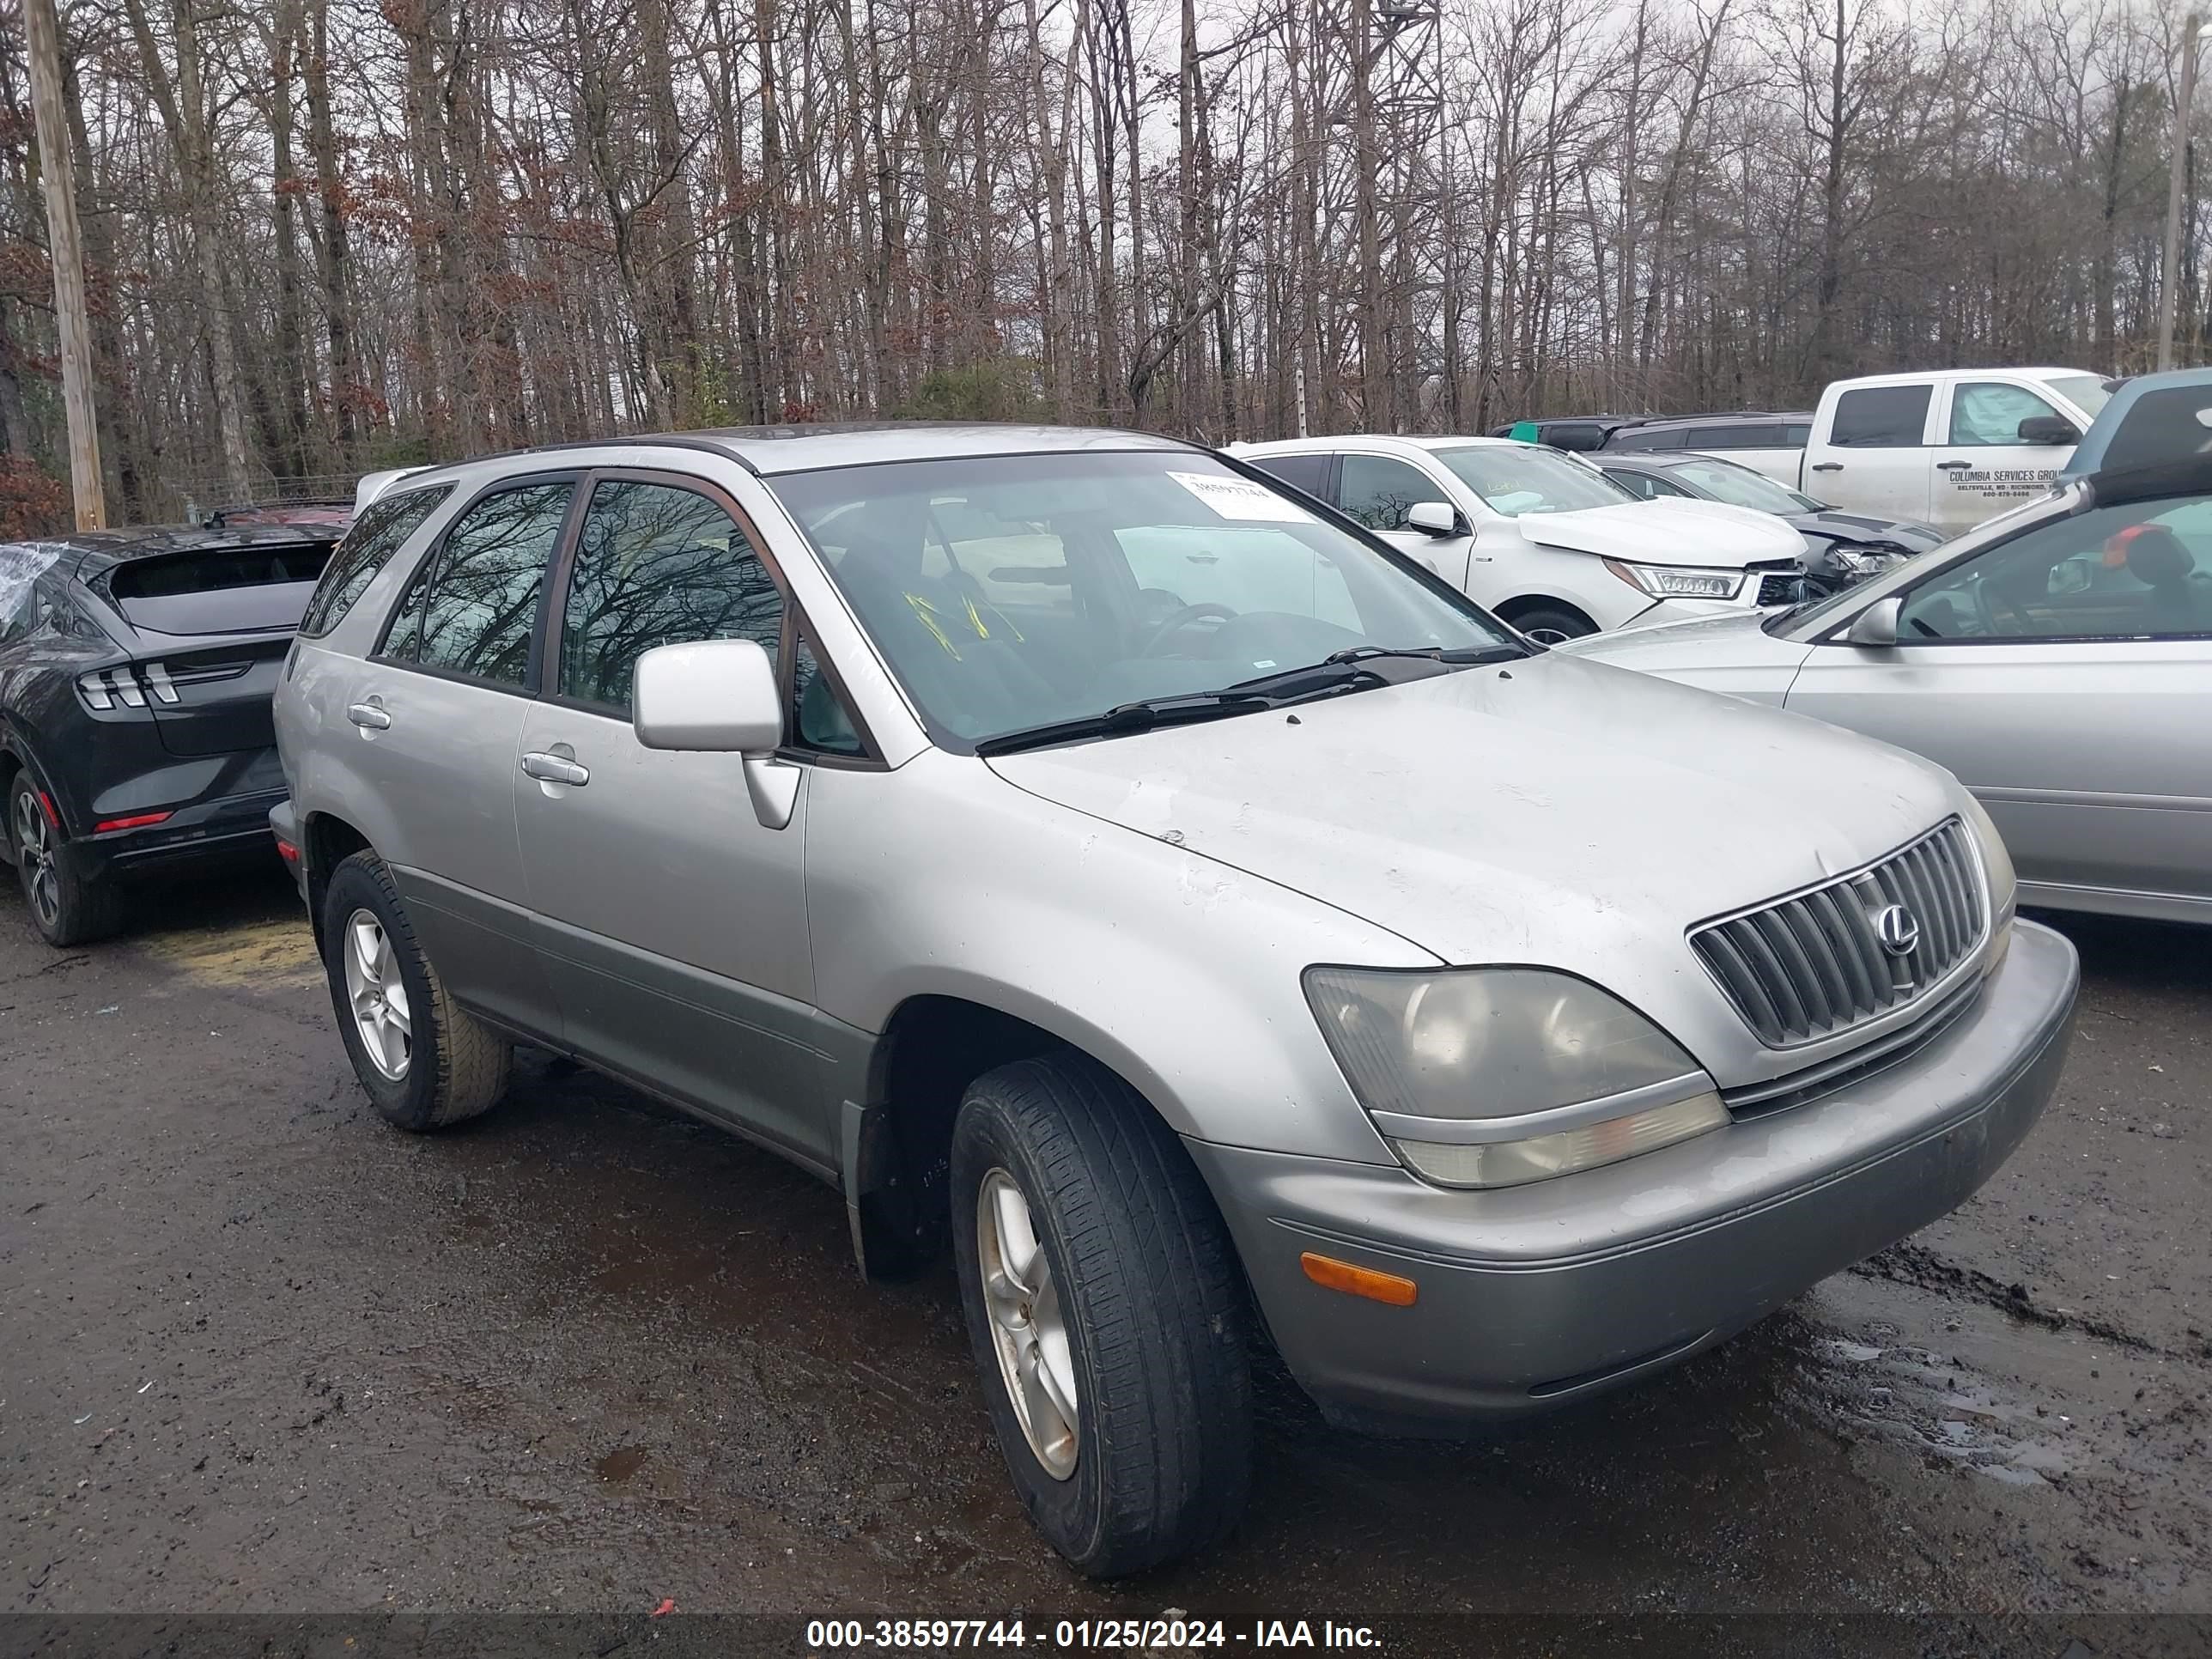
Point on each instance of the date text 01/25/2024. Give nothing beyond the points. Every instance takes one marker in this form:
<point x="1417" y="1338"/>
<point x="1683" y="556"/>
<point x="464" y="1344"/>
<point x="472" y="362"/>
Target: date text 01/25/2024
<point x="1128" y="1635"/>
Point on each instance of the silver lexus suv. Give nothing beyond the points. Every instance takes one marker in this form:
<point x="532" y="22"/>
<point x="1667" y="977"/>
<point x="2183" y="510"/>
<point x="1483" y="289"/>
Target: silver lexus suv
<point x="1073" y="846"/>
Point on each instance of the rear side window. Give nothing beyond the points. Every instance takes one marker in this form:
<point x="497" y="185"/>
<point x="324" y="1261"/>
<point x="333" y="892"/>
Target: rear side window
<point x="1306" y="472"/>
<point x="366" y="548"/>
<point x="1748" y="436"/>
<point x="1881" y="417"/>
<point x="658" y="565"/>
<point x="231" y="590"/>
<point x="477" y="612"/>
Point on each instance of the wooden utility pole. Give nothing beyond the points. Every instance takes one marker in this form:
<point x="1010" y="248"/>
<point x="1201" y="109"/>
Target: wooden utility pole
<point x="55" y="168"/>
<point x="2176" y="169"/>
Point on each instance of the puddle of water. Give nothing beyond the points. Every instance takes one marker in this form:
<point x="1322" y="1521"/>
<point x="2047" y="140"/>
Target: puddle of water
<point x="618" y="1465"/>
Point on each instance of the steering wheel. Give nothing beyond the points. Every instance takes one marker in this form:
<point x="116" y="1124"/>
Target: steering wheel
<point x="1182" y="619"/>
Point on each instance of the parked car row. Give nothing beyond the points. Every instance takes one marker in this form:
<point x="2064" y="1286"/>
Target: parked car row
<point x="1951" y="447"/>
<point x="1205" y="893"/>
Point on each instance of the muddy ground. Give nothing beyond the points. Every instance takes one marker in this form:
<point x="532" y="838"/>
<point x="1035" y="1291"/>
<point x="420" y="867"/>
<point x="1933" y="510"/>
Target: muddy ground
<point x="261" y="1354"/>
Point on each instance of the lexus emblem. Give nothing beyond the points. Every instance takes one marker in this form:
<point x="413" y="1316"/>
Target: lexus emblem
<point x="1894" y="925"/>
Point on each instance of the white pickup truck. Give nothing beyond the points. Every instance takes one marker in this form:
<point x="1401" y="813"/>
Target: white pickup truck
<point x="1949" y="448"/>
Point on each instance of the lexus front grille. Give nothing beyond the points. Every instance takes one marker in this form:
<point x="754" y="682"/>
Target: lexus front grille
<point x="1852" y="949"/>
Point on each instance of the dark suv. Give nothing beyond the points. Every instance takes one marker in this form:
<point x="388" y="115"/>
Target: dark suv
<point x="136" y="669"/>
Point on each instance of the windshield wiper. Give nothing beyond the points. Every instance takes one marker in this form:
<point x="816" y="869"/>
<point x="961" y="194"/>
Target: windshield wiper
<point x="1456" y="655"/>
<point x="1123" y="719"/>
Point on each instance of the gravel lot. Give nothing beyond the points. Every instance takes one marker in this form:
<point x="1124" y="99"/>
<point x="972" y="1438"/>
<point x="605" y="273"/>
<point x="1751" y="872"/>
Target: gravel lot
<point x="263" y="1355"/>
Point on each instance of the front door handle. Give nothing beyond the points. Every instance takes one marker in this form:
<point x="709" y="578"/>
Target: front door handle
<point x="556" y="768"/>
<point x="1827" y="467"/>
<point x="368" y="717"/>
<point x="1953" y="466"/>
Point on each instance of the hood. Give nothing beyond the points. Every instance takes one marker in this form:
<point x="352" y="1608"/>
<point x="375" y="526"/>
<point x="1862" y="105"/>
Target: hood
<point x="1558" y="811"/>
<point x="1668" y="531"/>
<point x="1858" y="528"/>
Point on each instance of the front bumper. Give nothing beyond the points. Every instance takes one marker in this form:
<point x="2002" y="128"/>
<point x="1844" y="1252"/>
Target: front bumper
<point x="1532" y="1297"/>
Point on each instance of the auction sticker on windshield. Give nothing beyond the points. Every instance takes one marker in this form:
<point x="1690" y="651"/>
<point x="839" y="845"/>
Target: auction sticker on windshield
<point x="1240" y="498"/>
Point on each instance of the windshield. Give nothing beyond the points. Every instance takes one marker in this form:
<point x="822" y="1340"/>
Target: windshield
<point x="1738" y="486"/>
<point x="1011" y="592"/>
<point x="1516" y="478"/>
<point x="2085" y="392"/>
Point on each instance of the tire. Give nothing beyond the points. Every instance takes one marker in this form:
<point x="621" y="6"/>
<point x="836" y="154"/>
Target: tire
<point x="445" y="1066"/>
<point x="1151" y="1304"/>
<point x="66" y="908"/>
<point x="1549" y="623"/>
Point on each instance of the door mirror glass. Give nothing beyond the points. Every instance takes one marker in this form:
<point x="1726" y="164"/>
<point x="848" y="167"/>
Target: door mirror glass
<point x="1875" y="627"/>
<point x="1433" y="518"/>
<point x="2048" y="429"/>
<point x="717" y="696"/>
<point x="2069" y="576"/>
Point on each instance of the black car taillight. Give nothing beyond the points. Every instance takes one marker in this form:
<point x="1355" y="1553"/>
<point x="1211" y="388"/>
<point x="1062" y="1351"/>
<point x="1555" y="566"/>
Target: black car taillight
<point x="133" y="686"/>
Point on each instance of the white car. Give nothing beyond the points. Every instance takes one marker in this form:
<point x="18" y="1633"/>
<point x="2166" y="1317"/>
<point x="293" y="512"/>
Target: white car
<point x="1545" y="541"/>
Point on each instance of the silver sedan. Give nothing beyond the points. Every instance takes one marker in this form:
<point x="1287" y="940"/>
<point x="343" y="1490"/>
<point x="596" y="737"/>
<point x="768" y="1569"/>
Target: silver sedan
<point x="2058" y="659"/>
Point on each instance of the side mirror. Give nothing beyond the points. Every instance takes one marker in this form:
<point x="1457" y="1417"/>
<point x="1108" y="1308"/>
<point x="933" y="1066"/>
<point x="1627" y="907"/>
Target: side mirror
<point x="1433" y="518"/>
<point x="719" y="696"/>
<point x="1875" y="627"/>
<point x="2049" y="430"/>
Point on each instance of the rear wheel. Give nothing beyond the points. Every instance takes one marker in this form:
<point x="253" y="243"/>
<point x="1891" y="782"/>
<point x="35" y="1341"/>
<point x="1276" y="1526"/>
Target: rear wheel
<point x="1107" y="1314"/>
<point x="424" y="1061"/>
<point x="66" y="908"/>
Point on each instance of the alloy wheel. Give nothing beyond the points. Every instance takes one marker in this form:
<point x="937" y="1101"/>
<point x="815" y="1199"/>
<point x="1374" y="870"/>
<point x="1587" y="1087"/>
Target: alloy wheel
<point x="35" y="853"/>
<point x="1029" y="1331"/>
<point x="378" y="996"/>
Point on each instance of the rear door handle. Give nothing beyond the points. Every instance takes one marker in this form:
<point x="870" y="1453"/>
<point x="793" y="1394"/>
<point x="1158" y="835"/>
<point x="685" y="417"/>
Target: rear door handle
<point x="368" y="717"/>
<point x="553" y="768"/>
<point x="1827" y="467"/>
<point x="1953" y="466"/>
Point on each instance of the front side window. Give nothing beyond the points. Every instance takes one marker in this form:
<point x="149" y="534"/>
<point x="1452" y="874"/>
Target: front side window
<point x="1007" y="592"/>
<point x="1986" y="412"/>
<point x="476" y="612"/>
<point x="1881" y="417"/>
<point x="367" y="548"/>
<point x="657" y="564"/>
<point x="2141" y="570"/>
<point x="1516" y="478"/>
<point x="1379" y="491"/>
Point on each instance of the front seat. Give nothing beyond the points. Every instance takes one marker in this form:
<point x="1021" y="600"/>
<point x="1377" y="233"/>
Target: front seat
<point x="2179" y="602"/>
<point x="963" y="660"/>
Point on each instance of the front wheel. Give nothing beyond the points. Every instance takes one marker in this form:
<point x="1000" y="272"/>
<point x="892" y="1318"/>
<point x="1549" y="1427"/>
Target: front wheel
<point x="1107" y="1314"/>
<point x="1550" y="624"/>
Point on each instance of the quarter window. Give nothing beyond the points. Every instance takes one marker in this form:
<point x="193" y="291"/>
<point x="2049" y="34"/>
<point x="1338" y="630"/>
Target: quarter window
<point x="1377" y="490"/>
<point x="657" y="564"/>
<point x="1984" y="412"/>
<point x="1881" y="417"/>
<point x="478" y="610"/>
<point x="367" y="548"/>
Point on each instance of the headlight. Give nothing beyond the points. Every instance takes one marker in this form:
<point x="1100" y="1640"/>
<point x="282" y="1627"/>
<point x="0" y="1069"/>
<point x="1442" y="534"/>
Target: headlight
<point x="2004" y="885"/>
<point x="1491" y="1077"/>
<point x="1862" y="562"/>
<point x="1676" y="581"/>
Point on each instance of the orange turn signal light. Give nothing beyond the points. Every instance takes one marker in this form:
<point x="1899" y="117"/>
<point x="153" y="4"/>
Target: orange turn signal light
<point x="1332" y="1274"/>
